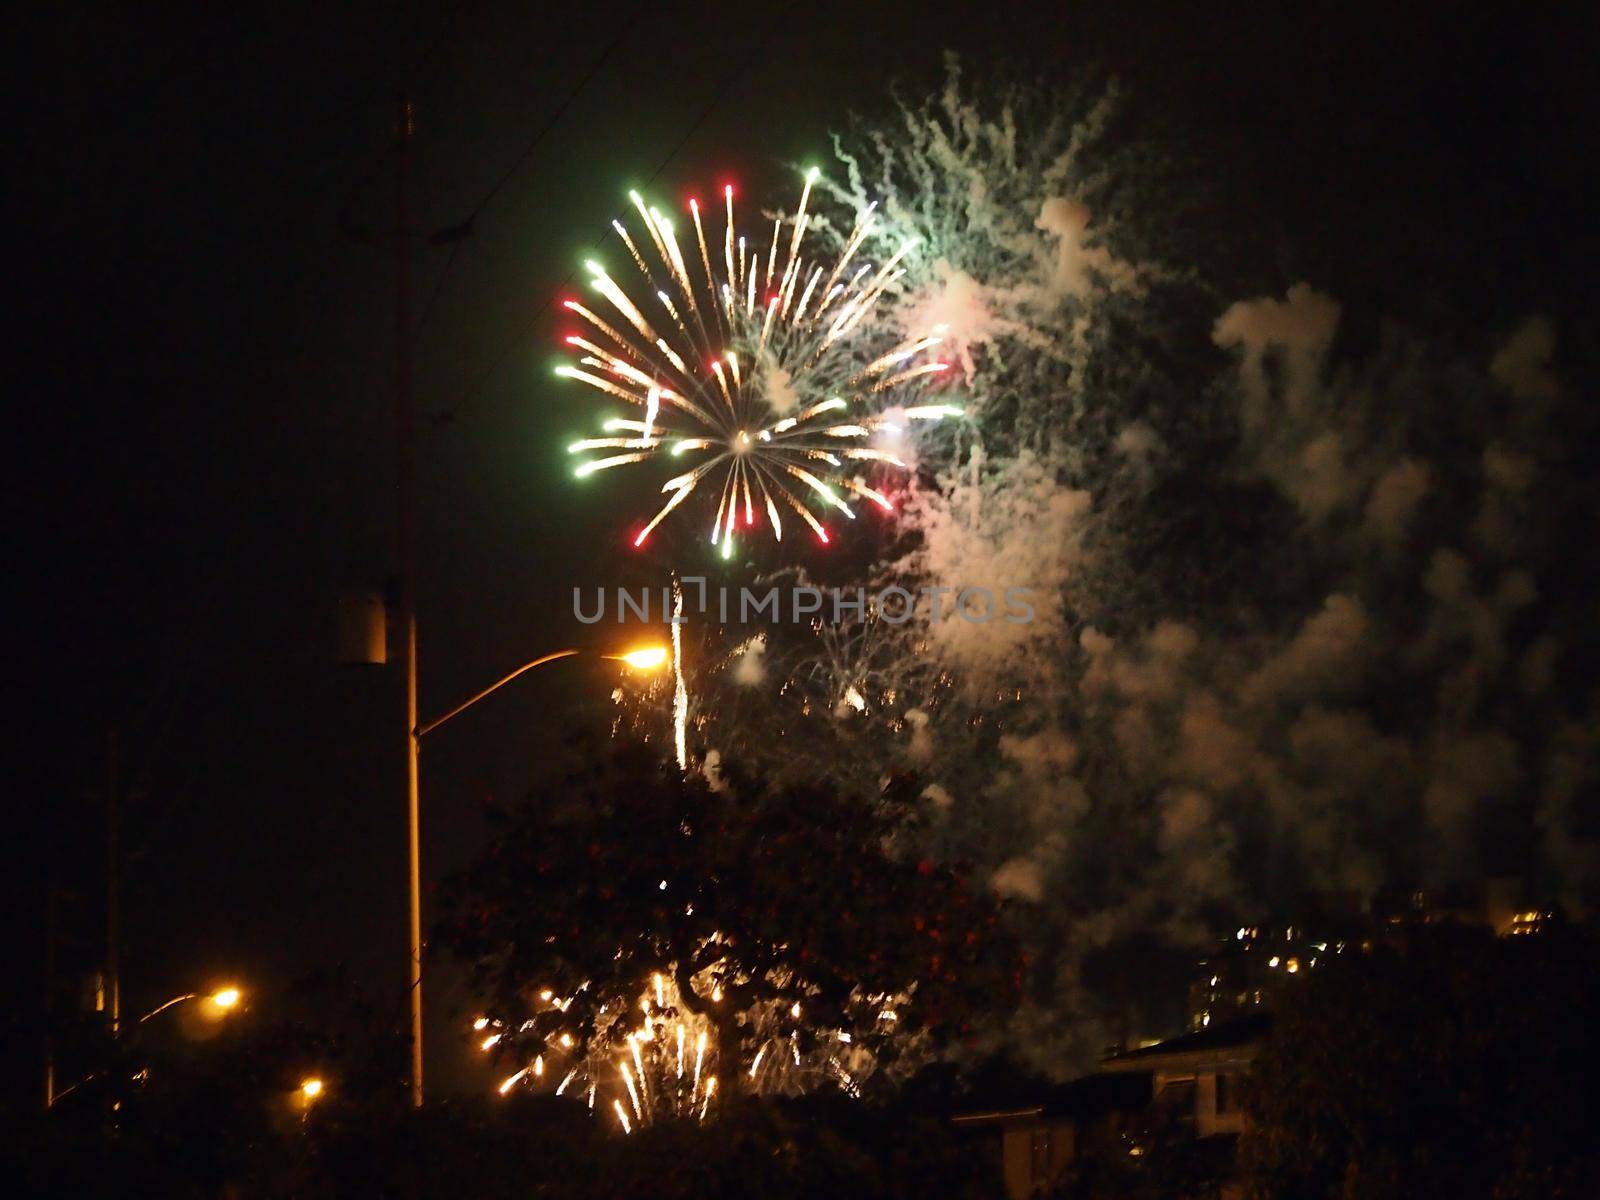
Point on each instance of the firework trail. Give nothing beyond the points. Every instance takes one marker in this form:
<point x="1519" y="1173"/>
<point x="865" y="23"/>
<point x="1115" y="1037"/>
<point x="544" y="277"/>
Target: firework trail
<point x="680" y="694"/>
<point x="863" y="667"/>
<point x="748" y="366"/>
<point x="648" y="1063"/>
<point x="660" y="1059"/>
<point x="846" y="701"/>
<point x="689" y="701"/>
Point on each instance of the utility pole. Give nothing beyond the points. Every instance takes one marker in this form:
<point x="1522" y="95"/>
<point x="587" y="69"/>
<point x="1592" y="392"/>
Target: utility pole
<point x="52" y="923"/>
<point x="113" y="888"/>
<point x="405" y="434"/>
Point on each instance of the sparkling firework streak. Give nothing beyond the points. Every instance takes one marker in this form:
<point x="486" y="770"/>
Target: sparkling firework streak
<point x="680" y="694"/>
<point x="648" y="1062"/>
<point x="659" y="1059"/>
<point x="840" y="701"/>
<point x="747" y="368"/>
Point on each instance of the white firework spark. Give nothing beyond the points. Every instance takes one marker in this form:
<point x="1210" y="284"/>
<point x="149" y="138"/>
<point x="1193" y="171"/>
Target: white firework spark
<point x="659" y="1059"/>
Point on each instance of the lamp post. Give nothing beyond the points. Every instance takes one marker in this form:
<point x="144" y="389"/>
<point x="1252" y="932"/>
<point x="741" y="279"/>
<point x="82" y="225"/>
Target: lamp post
<point x="646" y="658"/>
<point x="220" y="1003"/>
<point x="223" y="999"/>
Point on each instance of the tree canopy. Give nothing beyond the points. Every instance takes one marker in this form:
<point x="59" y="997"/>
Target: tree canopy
<point x="1459" y="1065"/>
<point x="795" y="928"/>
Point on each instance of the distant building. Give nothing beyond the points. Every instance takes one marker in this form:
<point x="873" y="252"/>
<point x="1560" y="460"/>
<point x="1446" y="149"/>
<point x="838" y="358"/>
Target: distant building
<point x="1502" y="904"/>
<point x="1250" y="965"/>
<point x="1195" y="1079"/>
<point x="1530" y="921"/>
<point x="1246" y="970"/>
<point x="1187" y="1086"/>
<point x="1186" y="1091"/>
<point x="1040" y="1134"/>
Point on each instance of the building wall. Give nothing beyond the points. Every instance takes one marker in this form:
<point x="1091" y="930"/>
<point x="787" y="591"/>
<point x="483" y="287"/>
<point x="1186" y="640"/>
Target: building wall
<point x="1217" y="1107"/>
<point x="1216" y="1098"/>
<point x="1035" y="1154"/>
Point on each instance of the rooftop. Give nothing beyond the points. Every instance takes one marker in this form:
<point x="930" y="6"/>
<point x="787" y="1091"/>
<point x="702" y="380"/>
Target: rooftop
<point x="1081" y="1100"/>
<point x="1224" y="1036"/>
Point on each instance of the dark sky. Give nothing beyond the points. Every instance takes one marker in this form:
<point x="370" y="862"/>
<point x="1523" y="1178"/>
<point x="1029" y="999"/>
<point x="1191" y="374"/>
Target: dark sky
<point x="200" y="418"/>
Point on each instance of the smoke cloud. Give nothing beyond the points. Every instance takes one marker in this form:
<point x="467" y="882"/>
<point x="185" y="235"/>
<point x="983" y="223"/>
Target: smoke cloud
<point x="1299" y="616"/>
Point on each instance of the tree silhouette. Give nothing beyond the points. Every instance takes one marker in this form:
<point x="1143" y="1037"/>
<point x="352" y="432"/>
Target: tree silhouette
<point x="796" y="919"/>
<point x="1458" y="1065"/>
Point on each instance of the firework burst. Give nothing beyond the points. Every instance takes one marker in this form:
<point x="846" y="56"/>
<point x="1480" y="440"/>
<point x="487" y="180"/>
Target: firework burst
<point x="661" y="1059"/>
<point x="750" y="369"/>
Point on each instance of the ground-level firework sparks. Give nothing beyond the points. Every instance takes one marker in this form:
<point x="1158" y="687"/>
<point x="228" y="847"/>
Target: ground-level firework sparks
<point x="751" y="368"/>
<point x="661" y="1059"/>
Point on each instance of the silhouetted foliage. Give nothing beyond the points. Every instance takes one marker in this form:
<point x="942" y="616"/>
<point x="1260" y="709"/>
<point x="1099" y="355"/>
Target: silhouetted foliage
<point x="166" y="1114"/>
<point x="626" y="868"/>
<point x="1150" y="1164"/>
<point x="1457" y="1066"/>
<point x="519" y="1147"/>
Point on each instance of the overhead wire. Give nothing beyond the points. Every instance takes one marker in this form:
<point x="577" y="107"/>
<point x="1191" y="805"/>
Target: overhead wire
<point x="457" y="234"/>
<point x="729" y="79"/>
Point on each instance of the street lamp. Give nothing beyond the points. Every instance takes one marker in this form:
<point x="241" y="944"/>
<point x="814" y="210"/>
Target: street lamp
<point x="218" y="1004"/>
<point x="642" y="658"/>
<point x="222" y="1000"/>
<point x="306" y="1094"/>
<point x="648" y="658"/>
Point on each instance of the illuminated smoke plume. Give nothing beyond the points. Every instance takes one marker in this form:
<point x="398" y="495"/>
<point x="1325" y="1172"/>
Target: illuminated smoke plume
<point x="1305" y="614"/>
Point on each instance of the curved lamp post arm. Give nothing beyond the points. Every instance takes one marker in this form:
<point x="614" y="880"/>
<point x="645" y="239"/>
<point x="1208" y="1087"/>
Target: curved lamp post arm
<point x="224" y="998"/>
<point x="493" y="687"/>
<point x="163" y="1008"/>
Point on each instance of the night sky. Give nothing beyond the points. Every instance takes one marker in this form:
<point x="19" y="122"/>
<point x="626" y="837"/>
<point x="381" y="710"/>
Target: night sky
<point x="200" y="421"/>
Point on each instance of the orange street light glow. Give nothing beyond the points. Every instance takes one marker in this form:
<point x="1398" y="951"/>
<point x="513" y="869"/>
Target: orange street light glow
<point x="311" y="1088"/>
<point x="649" y="658"/>
<point x="225" y="997"/>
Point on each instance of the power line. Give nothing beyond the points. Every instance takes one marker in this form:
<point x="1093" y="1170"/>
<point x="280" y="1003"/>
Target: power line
<point x="457" y="233"/>
<point x="482" y="381"/>
<point x="527" y="153"/>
